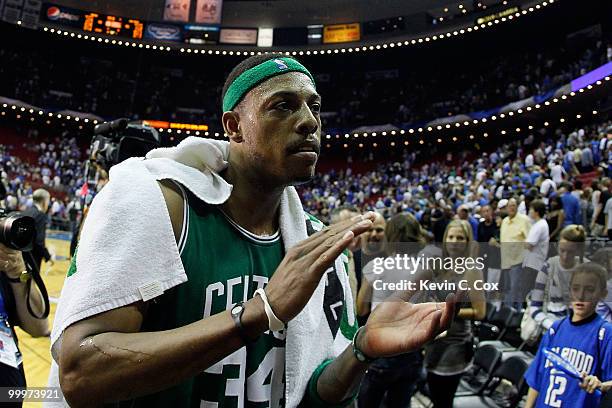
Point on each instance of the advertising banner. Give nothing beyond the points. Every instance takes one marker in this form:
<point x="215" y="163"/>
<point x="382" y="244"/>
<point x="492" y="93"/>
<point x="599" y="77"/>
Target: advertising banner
<point x="265" y="37"/>
<point x="62" y="15"/>
<point x="177" y="10"/>
<point x="164" y="32"/>
<point x="243" y="36"/>
<point x="200" y="34"/>
<point x="209" y="11"/>
<point x="340" y="33"/>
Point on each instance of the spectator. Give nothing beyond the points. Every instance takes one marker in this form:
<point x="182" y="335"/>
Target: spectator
<point x="391" y="382"/>
<point x="536" y="247"/>
<point x="587" y="158"/>
<point x="38" y="211"/>
<point x="555" y="218"/>
<point x="488" y="235"/>
<point x="463" y="213"/>
<point x="603" y="257"/>
<point x="557" y="173"/>
<point x="608" y="217"/>
<point x="447" y="357"/>
<point x="514" y="231"/>
<point x="571" y="206"/>
<point x="598" y="222"/>
<point x="551" y="291"/>
<point x="372" y="246"/>
<point x="585" y="339"/>
<point x="547" y="188"/>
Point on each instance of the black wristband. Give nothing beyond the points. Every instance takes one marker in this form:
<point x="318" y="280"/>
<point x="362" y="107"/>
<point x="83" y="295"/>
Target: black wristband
<point x="360" y="355"/>
<point x="236" y="312"/>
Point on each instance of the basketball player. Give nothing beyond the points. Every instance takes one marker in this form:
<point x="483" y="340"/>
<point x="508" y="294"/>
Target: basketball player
<point x="163" y="353"/>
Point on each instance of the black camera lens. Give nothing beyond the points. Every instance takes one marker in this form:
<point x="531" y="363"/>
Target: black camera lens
<point x="17" y="231"/>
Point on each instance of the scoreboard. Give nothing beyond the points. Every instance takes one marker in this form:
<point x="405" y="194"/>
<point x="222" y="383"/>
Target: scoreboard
<point x="113" y="25"/>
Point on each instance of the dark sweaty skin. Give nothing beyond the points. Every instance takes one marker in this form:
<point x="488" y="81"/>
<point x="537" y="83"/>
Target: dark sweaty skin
<point x="106" y="358"/>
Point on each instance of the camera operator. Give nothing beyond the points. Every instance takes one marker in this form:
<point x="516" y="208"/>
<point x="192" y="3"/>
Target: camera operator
<point x="38" y="211"/>
<point x="14" y="312"/>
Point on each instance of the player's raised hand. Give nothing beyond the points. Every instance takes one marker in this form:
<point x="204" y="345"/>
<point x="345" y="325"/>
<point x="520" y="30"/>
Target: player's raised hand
<point x="301" y="269"/>
<point x="397" y="327"/>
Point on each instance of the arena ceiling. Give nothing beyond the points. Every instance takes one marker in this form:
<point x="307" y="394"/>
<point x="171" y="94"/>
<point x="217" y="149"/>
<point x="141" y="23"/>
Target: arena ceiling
<point x="274" y="13"/>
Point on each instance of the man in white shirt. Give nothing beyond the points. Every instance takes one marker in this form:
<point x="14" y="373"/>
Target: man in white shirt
<point x="557" y="172"/>
<point x="547" y="187"/>
<point x="529" y="161"/>
<point x="536" y="246"/>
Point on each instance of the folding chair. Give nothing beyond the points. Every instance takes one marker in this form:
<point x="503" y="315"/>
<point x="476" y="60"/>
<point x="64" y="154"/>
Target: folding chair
<point x="505" y="389"/>
<point x="486" y="360"/>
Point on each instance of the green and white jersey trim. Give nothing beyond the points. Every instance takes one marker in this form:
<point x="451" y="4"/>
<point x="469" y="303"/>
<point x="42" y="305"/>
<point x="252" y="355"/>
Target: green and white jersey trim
<point x="185" y="228"/>
<point x="261" y="239"/>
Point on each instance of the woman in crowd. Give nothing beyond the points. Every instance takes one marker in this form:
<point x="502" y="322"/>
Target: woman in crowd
<point x="555" y="218"/>
<point x="449" y="356"/>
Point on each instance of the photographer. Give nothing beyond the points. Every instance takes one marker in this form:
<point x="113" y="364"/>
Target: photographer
<point x="14" y="312"/>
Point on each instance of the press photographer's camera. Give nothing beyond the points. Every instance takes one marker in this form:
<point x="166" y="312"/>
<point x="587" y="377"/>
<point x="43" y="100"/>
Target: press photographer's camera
<point x="115" y="141"/>
<point x="17" y="231"/>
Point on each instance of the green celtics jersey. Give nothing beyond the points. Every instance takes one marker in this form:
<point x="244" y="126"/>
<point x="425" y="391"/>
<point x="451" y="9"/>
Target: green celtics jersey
<point x="225" y="264"/>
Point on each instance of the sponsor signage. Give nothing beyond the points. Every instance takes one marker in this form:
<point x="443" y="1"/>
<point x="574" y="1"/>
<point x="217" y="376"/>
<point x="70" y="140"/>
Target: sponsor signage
<point x="265" y="37"/>
<point x="62" y="15"/>
<point x="341" y="33"/>
<point x="174" y="125"/>
<point x="198" y="34"/>
<point x="242" y="36"/>
<point x="163" y="32"/>
<point x="495" y="16"/>
<point x="177" y="10"/>
<point x="208" y="11"/>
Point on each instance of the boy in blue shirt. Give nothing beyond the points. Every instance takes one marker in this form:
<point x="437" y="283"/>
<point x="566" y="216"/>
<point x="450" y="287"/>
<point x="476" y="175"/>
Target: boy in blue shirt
<point x="583" y="338"/>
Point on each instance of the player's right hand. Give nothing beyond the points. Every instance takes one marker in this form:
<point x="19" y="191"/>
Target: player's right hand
<point x="301" y="269"/>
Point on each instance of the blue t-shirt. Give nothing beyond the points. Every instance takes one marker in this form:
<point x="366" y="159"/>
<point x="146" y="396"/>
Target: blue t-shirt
<point x="571" y="209"/>
<point x="588" y="345"/>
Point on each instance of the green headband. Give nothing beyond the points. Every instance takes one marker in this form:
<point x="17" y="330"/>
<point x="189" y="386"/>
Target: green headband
<point x="250" y="78"/>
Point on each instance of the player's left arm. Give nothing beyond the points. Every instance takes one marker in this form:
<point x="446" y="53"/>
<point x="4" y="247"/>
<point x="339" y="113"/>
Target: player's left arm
<point x="394" y="327"/>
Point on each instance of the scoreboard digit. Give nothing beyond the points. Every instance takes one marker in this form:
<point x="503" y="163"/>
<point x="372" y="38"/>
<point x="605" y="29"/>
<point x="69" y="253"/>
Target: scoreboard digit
<point x="113" y="25"/>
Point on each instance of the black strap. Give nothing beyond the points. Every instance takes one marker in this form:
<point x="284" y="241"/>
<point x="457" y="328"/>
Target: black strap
<point x="32" y="267"/>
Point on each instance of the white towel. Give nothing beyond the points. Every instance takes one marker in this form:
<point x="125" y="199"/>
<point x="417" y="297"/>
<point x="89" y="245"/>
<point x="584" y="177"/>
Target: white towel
<point x="108" y="252"/>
